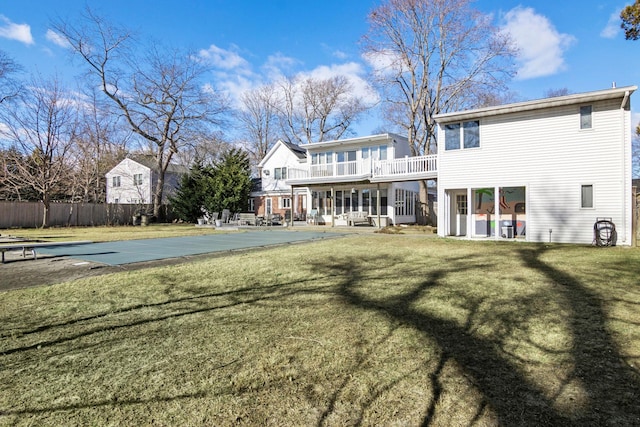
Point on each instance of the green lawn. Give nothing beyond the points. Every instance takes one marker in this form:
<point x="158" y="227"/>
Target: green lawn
<point x="362" y="330"/>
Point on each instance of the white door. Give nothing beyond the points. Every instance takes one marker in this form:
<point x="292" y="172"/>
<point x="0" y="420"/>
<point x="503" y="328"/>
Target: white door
<point x="268" y="208"/>
<point x="461" y="215"/>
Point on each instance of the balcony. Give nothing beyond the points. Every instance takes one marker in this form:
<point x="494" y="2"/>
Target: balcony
<point x="406" y="169"/>
<point x="403" y="169"/>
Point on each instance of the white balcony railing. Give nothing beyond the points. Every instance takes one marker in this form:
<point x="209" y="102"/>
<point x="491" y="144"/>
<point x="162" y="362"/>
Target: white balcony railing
<point x="406" y="166"/>
<point x="420" y="167"/>
<point x="328" y="170"/>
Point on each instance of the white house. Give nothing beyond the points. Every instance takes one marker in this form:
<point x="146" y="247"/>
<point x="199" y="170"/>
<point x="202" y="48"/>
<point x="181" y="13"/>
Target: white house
<point x="542" y="170"/>
<point x="368" y="179"/>
<point x="133" y="181"/>
<point x="274" y="195"/>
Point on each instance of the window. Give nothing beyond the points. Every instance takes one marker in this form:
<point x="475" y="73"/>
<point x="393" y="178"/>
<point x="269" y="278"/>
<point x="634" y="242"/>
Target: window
<point x="346" y="156"/>
<point x="115" y="181"/>
<point x="462" y="135"/>
<point x="405" y="202"/>
<point x="137" y="179"/>
<point x="585" y="117"/>
<point x="321" y="158"/>
<point x="452" y="136"/>
<point x="471" y="134"/>
<point x="280" y="173"/>
<point x="586" y="197"/>
<point x="284" y="202"/>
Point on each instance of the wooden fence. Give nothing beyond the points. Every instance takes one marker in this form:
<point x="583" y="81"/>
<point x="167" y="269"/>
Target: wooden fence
<point x="29" y="214"/>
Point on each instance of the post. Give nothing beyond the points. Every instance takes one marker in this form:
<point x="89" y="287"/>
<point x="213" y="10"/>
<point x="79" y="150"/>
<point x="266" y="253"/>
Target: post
<point x="378" y="203"/>
<point x="333" y="207"/>
<point x="293" y="202"/>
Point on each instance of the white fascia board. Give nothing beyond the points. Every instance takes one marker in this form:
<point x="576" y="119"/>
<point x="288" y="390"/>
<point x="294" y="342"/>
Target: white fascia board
<point x="537" y="104"/>
<point x="318" y="146"/>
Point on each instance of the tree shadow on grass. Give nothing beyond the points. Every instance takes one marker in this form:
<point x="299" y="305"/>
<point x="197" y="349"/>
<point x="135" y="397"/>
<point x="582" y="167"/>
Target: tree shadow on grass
<point x="169" y="309"/>
<point x="512" y="396"/>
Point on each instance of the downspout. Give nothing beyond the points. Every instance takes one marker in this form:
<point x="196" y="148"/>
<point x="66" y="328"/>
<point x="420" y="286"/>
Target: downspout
<point x="625" y="99"/>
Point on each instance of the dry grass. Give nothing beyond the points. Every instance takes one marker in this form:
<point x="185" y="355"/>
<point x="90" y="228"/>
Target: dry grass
<point x="365" y="330"/>
<point x="108" y="234"/>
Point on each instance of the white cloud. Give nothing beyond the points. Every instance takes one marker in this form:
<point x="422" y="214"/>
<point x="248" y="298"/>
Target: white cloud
<point x="57" y="39"/>
<point x="353" y="71"/>
<point x="541" y="47"/>
<point x="225" y="59"/>
<point x="612" y="28"/>
<point x="12" y="31"/>
<point x="278" y="65"/>
<point x="340" y="54"/>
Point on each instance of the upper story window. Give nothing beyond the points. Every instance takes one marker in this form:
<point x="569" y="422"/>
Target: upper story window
<point x="376" y="153"/>
<point x="346" y="156"/>
<point x="462" y="135"/>
<point x="137" y="179"/>
<point x="586" y="121"/>
<point x="115" y="181"/>
<point x="280" y="173"/>
<point x="321" y="158"/>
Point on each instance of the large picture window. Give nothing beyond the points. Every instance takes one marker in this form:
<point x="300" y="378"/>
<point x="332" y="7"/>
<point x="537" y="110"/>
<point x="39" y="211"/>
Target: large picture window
<point x="462" y="135"/>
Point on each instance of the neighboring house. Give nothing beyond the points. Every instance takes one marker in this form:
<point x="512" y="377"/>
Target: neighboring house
<point x="273" y="195"/>
<point x="133" y="180"/>
<point x="369" y="179"/>
<point x="542" y="170"/>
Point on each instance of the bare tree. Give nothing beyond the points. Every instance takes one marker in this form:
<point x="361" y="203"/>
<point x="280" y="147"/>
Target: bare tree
<point x="434" y="56"/>
<point x="431" y="57"/>
<point x="41" y="130"/>
<point x="260" y="120"/>
<point x="101" y="143"/>
<point x="552" y="93"/>
<point x="315" y="110"/>
<point x="160" y="94"/>
<point x="9" y="86"/>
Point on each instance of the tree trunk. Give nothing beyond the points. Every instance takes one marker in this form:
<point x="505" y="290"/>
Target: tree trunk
<point x="46" y="203"/>
<point x="425" y="214"/>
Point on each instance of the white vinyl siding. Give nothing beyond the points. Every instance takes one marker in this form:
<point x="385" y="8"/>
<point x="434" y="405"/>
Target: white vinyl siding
<point x="546" y="152"/>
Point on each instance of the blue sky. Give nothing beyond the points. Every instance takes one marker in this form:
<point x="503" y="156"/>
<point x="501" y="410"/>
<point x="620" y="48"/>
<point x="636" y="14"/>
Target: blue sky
<point x="563" y="44"/>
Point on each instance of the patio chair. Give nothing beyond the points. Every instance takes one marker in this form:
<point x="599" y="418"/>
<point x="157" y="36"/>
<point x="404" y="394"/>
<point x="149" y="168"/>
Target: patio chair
<point x="226" y="214"/>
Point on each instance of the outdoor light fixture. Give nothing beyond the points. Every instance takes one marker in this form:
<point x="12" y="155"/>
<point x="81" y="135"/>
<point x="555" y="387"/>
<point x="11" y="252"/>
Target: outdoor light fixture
<point x="266" y="172"/>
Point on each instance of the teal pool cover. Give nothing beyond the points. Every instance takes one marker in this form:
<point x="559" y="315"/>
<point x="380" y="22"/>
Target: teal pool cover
<point x="132" y="251"/>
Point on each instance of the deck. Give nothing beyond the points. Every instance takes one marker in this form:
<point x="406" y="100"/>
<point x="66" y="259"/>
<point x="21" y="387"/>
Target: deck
<point x="393" y="170"/>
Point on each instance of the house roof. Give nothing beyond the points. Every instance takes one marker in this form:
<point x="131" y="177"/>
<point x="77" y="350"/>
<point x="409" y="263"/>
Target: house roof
<point x="297" y="151"/>
<point x="586" y="97"/>
<point x="350" y="141"/>
<point x="150" y="162"/>
<point x="300" y="152"/>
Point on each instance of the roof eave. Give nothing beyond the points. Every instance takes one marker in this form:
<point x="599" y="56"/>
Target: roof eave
<point x="537" y="104"/>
